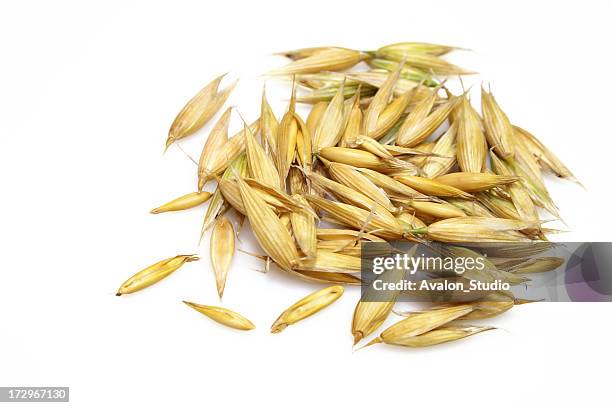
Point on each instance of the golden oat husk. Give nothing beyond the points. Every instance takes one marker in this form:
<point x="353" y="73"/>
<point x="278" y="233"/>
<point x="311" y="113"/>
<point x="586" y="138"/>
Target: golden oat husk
<point x="218" y="203"/>
<point x="425" y="148"/>
<point x="222" y="248"/>
<point x="380" y="102"/>
<point x="304" y="228"/>
<point x="470" y="207"/>
<point x="154" y="273"/>
<point x="362" y="158"/>
<point x="407" y="72"/>
<point x="490" y="306"/>
<point x="431" y="187"/>
<point x="353" y="124"/>
<point x="524" y="157"/>
<point x="303" y="145"/>
<point x="377" y="78"/>
<point x="303" y="150"/>
<point x="533" y="182"/>
<point x="455" y="114"/>
<point x="389" y="153"/>
<point x="349" y="104"/>
<point x="525" y="166"/>
<point x="428" y="63"/>
<point x="344" y="247"/>
<point x="350" y="196"/>
<point x="328" y="261"/>
<point x="285" y="219"/>
<point x="216" y="209"/>
<point x="371" y="145"/>
<point x="231" y="194"/>
<point x="417" y="324"/>
<point x="261" y="166"/>
<point x="328" y="277"/>
<point x="184" y="202"/>
<point x="338" y="245"/>
<point x="358" y="218"/>
<point x="499" y="132"/>
<point x="327" y="59"/>
<point x="276" y="198"/>
<point x="216" y="141"/>
<point x="416" y="134"/>
<point x="435" y="210"/>
<point x="297" y="181"/>
<point x="521" y="207"/>
<point x="369" y="315"/>
<point x="423" y="218"/>
<point x="287" y="140"/>
<point x="326" y="94"/>
<point x="520" y="197"/>
<point x="421" y="151"/>
<point x="476" y="182"/>
<point x="235" y="147"/>
<point x="409" y="48"/>
<point x="402" y="151"/>
<point x="544" y="155"/>
<point x="240" y="218"/>
<point x="418" y="113"/>
<point x="410" y="221"/>
<point x="315" y="115"/>
<point x="537" y="265"/>
<point x="498" y="206"/>
<point x="306" y="307"/>
<point x="333" y="234"/>
<point x="351" y="246"/>
<point x="319" y="168"/>
<point x="222" y="315"/>
<point x="354" y="249"/>
<point x="394" y="188"/>
<point x="419" y="154"/>
<point x="354" y="179"/>
<point x="471" y="142"/>
<point x="443" y="334"/>
<point x="392" y="114"/>
<point x="268" y="124"/>
<point x="323" y="80"/>
<point x="199" y="110"/>
<point x="329" y="129"/>
<point x="488" y="309"/>
<point x="446" y="151"/>
<point x="535" y="187"/>
<point x="226" y="155"/>
<point x="269" y="231"/>
<point x="479" y="229"/>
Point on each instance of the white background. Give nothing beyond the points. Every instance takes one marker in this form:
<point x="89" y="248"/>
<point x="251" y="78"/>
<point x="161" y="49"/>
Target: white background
<point x="87" y="93"/>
